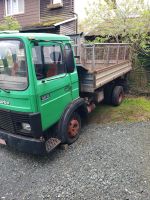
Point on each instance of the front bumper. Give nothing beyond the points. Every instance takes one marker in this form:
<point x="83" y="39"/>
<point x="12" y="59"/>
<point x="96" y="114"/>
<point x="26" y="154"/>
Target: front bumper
<point x="24" y="144"/>
<point x="29" y="145"/>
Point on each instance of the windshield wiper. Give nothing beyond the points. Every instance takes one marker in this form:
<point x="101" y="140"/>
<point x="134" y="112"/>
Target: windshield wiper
<point x="5" y="90"/>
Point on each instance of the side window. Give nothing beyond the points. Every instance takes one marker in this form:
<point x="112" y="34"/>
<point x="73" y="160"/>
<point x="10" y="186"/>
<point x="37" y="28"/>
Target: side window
<point x="69" y="58"/>
<point x="48" y="61"/>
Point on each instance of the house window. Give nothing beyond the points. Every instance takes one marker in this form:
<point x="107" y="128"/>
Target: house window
<point x="54" y="4"/>
<point x="57" y="1"/>
<point x="14" y="7"/>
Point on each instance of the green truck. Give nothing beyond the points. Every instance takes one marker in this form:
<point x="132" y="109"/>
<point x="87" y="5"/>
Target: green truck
<point x="46" y="91"/>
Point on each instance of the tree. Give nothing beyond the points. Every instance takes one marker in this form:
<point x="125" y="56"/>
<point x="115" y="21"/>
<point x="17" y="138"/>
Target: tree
<point x="112" y="2"/>
<point x="128" y="18"/>
<point x="9" y="23"/>
<point x="126" y="21"/>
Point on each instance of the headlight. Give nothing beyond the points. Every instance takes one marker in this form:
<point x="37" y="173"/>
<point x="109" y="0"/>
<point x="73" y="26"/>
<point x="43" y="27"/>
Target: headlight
<point x="26" y="126"/>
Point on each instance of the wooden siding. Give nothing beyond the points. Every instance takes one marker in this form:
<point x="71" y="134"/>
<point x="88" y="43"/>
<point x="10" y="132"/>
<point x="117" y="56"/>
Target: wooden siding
<point x="36" y="12"/>
<point x="1" y="9"/>
<point x="68" y="28"/>
<point x="72" y="4"/>
<point x="61" y="13"/>
<point x="31" y="14"/>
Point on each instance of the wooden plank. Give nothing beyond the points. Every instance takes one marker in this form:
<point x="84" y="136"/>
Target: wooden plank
<point x="2" y="8"/>
<point x="112" y="73"/>
<point x="30" y="16"/>
<point x="68" y="28"/>
<point x="62" y="13"/>
<point x="89" y="82"/>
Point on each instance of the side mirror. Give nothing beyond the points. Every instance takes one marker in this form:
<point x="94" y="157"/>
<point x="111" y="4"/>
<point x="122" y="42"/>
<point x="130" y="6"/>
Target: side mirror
<point x="69" y="60"/>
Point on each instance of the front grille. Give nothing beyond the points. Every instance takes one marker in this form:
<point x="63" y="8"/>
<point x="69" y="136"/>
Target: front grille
<point x="11" y="121"/>
<point x="6" y="122"/>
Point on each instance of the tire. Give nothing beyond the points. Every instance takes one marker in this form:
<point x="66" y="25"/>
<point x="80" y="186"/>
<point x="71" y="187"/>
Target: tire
<point x="70" y="130"/>
<point x="108" y="93"/>
<point x="124" y="84"/>
<point x="117" y="95"/>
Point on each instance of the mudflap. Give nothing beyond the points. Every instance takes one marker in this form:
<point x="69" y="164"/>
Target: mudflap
<point x="51" y="144"/>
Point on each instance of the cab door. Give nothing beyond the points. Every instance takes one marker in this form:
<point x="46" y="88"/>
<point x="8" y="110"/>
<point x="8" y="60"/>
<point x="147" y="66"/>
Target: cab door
<point x="53" y="82"/>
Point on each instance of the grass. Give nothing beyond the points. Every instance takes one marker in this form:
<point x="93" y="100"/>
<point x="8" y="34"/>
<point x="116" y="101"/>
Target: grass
<point x="133" y="109"/>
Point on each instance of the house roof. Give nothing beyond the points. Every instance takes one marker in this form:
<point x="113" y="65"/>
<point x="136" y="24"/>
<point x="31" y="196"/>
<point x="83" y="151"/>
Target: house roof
<point x="50" y="24"/>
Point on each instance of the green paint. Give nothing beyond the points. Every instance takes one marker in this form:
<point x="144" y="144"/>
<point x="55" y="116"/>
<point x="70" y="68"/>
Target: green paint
<point x="49" y="96"/>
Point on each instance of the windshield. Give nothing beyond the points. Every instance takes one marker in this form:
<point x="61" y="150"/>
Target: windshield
<point x="13" y="67"/>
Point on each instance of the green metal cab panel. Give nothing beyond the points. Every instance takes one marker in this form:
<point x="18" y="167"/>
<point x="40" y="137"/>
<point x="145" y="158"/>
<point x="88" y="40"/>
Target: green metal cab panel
<point x="53" y="96"/>
<point x="49" y="97"/>
<point x="17" y="102"/>
<point x="38" y="36"/>
<point x="75" y="84"/>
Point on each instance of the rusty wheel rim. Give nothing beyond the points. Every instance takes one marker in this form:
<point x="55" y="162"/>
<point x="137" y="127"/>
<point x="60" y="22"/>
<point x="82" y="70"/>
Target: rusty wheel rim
<point x="73" y="128"/>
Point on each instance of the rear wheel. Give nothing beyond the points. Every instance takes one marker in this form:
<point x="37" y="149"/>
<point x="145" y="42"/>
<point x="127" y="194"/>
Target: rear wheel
<point x="117" y="95"/>
<point x="108" y="93"/>
<point x="124" y="84"/>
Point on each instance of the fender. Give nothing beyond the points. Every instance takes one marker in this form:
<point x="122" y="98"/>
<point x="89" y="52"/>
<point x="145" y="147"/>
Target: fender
<point x="77" y="105"/>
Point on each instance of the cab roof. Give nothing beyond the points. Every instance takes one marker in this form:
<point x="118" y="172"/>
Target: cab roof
<point x="37" y="36"/>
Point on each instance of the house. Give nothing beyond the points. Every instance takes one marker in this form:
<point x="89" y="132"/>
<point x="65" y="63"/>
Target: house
<point x="53" y="16"/>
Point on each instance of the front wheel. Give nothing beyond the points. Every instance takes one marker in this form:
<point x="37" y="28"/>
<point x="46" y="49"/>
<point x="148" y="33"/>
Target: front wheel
<point x="71" y="128"/>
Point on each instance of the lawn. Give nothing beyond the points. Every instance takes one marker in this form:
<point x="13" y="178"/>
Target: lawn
<point x="132" y="109"/>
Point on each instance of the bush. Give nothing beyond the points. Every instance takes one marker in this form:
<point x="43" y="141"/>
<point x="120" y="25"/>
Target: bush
<point x="9" y="23"/>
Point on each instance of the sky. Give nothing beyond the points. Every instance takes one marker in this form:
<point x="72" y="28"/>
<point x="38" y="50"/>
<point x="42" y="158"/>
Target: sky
<point x="79" y="7"/>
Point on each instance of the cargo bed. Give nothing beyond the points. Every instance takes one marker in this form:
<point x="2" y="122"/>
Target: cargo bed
<point x="99" y="64"/>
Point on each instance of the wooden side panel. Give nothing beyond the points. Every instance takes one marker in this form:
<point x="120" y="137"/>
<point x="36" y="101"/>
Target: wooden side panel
<point x="68" y="28"/>
<point x="112" y="73"/>
<point x="31" y="14"/>
<point x="61" y="13"/>
<point x="1" y="9"/>
<point x="89" y="82"/>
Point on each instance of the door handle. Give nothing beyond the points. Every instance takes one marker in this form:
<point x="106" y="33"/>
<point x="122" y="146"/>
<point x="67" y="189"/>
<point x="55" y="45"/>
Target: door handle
<point x="67" y="88"/>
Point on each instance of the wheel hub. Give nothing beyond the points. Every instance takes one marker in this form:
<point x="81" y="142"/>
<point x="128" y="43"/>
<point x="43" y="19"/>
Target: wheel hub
<point x="73" y="128"/>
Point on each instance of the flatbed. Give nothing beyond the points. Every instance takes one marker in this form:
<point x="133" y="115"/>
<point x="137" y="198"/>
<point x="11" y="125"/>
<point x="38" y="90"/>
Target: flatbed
<point x="100" y="64"/>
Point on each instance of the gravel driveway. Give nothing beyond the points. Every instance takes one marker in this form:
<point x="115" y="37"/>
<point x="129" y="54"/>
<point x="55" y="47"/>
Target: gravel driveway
<point x="110" y="162"/>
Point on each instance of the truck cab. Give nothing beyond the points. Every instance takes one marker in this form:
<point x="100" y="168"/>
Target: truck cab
<point x="38" y="83"/>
